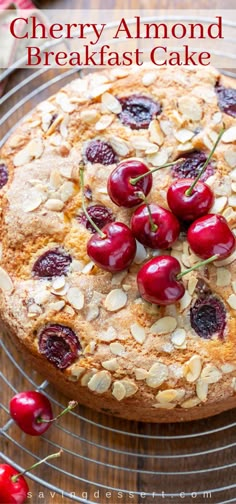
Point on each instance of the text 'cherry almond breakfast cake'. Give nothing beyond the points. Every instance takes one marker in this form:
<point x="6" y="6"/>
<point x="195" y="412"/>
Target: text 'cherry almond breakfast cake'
<point x="118" y="224"/>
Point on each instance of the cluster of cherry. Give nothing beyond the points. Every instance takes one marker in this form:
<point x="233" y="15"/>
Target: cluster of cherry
<point x="32" y="412"/>
<point x="113" y="247"/>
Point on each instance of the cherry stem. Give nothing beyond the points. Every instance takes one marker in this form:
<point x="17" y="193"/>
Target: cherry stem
<point x="190" y="189"/>
<point x="154" y="227"/>
<point x="81" y="173"/>
<point x="71" y="405"/>
<point x="198" y="265"/>
<point x="134" y="181"/>
<point x="49" y="457"/>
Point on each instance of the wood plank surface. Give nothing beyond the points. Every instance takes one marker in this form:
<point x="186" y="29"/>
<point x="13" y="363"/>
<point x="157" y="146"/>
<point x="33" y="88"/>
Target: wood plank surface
<point x="99" y="452"/>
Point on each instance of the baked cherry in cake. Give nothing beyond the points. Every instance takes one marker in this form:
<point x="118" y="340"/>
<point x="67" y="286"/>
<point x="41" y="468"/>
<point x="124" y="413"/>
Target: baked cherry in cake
<point x="59" y="344"/>
<point x="138" y="111"/>
<point x="52" y="263"/>
<point x="226" y="99"/>
<point x="208" y="317"/>
<point x="98" y="151"/>
<point x="3" y="175"/>
<point x="191" y="166"/>
<point x="100" y="215"/>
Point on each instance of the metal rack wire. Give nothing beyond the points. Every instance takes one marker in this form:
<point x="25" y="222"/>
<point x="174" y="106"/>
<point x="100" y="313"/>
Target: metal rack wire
<point x="103" y="454"/>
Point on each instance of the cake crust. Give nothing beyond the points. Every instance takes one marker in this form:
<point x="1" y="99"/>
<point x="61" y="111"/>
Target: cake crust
<point x="136" y="361"/>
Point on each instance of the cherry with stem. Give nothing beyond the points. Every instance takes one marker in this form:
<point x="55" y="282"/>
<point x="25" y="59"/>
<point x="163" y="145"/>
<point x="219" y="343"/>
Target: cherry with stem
<point x="113" y="247"/>
<point x="154" y="226"/>
<point x="159" y="280"/>
<point x="32" y="412"/>
<point x="189" y="199"/>
<point x="14" y="488"/>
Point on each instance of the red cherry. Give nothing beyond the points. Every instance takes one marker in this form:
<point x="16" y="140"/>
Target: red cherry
<point x="189" y="208"/>
<point x="115" y="249"/>
<point x="157" y="280"/>
<point x="158" y="232"/>
<point x="12" y="491"/>
<point x="28" y="408"/>
<point x="210" y="235"/>
<point x="120" y="187"/>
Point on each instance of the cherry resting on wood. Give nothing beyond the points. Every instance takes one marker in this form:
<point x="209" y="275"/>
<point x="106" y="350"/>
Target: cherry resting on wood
<point x="12" y="491"/>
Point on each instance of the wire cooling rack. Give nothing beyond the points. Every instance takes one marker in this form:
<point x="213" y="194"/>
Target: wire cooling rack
<point x="106" y="459"/>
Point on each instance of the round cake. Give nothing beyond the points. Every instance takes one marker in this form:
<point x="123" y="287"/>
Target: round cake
<point x="88" y="329"/>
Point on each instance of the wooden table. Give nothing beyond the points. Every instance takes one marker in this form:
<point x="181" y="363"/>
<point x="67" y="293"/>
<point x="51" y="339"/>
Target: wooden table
<point x="137" y="478"/>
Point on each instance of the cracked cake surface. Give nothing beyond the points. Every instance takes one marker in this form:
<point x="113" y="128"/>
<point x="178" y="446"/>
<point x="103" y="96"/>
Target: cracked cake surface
<point x="85" y="329"/>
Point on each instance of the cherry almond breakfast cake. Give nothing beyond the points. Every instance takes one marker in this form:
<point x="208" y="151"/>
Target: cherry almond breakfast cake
<point x="118" y="224"/>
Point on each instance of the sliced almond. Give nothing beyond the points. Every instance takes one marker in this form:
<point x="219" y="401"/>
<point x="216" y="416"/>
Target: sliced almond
<point x="55" y="179"/>
<point x="223" y="277"/>
<point x="89" y="116"/>
<point x="192" y="368"/>
<point x="110" y="334"/>
<point x="76" y="298"/>
<point x="138" y="332"/>
<point x="190" y="403"/>
<point x="169" y="395"/>
<point x="111" y="103"/>
<point x="66" y="191"/>
<point x="156" y="134"/>
<point x="118" y="278"/>
<point x="32" y="201"/>
<point x="86" y="378"/>
<point x="64" y="102"/>
<point x="157" y="375"/>
<point x="190" y="108"/>
<point x="6" y="284"/>
<point x="192" y="285"/>
<point x="183" y="135"/>
<point x="120" y="146"/>
<point x="140" y="374"/>
<point x="100" y="382"/>
<point x="178" y="337"/>
<point x="185" y="301"/>
<point x="118" y="390"/>
<point x="56" y="306"/>
<point x="92" y="313"/>
<point x="158" y="159"/>
<point x="35" y="309"/>
<point x="141" y="253"/>
<point x="55" y="205"/>
<point x="232" y="201"/>
<point x="117" y="348"/>
<point x="202" y="390"/>
<point x="230" y="158"/>
<point x="87" y="268"/>
<point x="99" y="90"/>
<point x="104" y="122"/>
<point x="115" y="300"/>
<point x="58" y="283"/>
<point x="219" y="204"/>
<point x="111" y="364"/>
<point x="149" y="78"/>
<point x="227" y="368"/>
<point x="130" y="387"/>
<point x="76" y="372"/>
<point x="229" y="135"/>
<point x="164" y="325"/>
<point x="211" y="374"/>
<point x="231" y="300"/>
